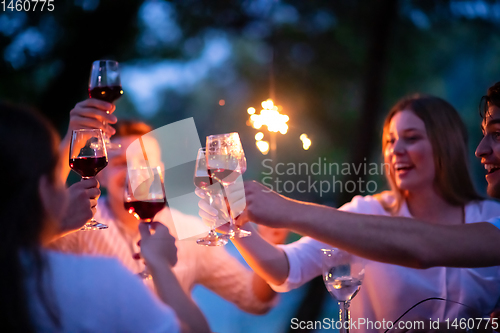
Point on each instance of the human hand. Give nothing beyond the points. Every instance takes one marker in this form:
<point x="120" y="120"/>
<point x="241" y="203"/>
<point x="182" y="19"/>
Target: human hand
<point x="92" y="113"/>
<point x="82" y="201"/>
<point x="215" y="209"/>
<point x="157" y="244"/>
<point x="266" y="207"/>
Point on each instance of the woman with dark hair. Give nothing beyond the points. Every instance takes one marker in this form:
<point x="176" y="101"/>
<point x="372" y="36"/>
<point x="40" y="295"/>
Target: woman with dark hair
<point x="44" y="291"/>
<point x="424" y="147"/>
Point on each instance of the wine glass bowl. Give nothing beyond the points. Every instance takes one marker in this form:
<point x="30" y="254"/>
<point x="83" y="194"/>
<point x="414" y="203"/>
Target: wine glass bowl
<point x="144" y="194"/>
<point x="87" y="157"/>
<point x="226" y="163"/>
<point x="225" y="157"/>
<point x="104" y="82"/>
<point x="343" y="274"/>
<point x="105" y="85"/>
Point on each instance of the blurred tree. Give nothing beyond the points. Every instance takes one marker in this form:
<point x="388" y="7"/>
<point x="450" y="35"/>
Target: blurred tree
<point x="337" y="65"/>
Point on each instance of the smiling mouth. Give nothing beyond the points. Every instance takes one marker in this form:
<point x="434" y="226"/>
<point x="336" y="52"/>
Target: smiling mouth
<point x="491" y="168"/>
<point x="402" y="167"/>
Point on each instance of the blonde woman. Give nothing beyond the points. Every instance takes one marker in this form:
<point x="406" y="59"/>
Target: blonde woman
<point x="424" y="147"/>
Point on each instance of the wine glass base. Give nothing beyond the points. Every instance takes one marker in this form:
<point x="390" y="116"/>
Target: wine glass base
<point x="238" y="233"/>
<point x="94" y="225"/>
<point x="212" y="241"/>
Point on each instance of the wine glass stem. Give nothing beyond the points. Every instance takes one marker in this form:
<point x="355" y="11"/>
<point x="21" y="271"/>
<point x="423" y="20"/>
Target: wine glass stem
<point x="344" y="316"/>
<point x="92" y="220"/>
<point x="145" y="274"/>
<point x="212" y="233"/>
<point x="231" y="221"/>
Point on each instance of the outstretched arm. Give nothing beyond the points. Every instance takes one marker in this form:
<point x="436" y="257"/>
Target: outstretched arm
<point x="160" y="253"/>
<point x="394" y="240"/>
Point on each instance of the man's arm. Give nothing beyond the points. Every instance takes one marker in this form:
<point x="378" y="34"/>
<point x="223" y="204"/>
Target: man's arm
<point x="395" y="240"/>
<point x="82" y="201"/>
<point x="160" y="253"/>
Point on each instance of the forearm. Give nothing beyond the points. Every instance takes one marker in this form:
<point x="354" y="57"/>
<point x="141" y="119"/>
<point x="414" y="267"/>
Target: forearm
<point x="261" y="289"/>
<point x="400" y="241"/>
<point x="267" y="260"/>
<point x="170" y="291"/>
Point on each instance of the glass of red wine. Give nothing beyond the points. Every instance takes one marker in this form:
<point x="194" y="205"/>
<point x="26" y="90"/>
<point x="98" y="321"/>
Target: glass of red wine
<point x="144" y="196"/>
<point x="105" y="84"/>
<point x="87" y="157"/>
<point x="213" y="189"/>
<point x="226" y="163"/>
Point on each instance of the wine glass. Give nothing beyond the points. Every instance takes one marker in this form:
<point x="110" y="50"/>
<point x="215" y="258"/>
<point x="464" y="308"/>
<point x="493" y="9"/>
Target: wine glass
<point x="144" y="196"/>
<point x="88" y="156"/>
<point x="226" y="163"/>
<point x="212" y="188"/>
<point x="342" y="274"/>
<point x="104" y="84"/>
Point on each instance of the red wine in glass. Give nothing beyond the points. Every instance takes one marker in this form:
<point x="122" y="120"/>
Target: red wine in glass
<point x="146" y="210"/>
<point x="225" y="176"/>
<point x="88" y="156"/>
<point x="106" y="93"/>
<point x="105" y="85"/>
<point x="88" y="166"/>
<point x="144" y="196"/>
<point x="206" y="182"/>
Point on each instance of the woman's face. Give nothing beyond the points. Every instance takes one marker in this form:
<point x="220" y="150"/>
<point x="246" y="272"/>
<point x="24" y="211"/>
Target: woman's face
<point x="408" y="152"/>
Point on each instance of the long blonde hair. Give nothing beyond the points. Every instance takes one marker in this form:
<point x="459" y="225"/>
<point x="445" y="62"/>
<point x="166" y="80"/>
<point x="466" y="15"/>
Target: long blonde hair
<point x="448" y="137"/>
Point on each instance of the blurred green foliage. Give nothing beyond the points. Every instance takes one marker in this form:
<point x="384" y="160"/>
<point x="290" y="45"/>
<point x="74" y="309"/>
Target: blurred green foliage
<point x="322" y="56"/>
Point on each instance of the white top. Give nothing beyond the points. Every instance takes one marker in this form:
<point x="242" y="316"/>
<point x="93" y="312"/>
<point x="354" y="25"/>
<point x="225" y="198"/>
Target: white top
<point x="389" y="290"/>
<point x="213" y="267"/>
<point x="96" y="295"/>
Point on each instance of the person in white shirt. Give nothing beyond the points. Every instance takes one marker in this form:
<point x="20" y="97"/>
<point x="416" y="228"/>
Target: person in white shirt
<point x="424" y="144"/>
<point x="395" y="240"/>
<point x="212" y="267"/>
<point x="44" y="291"/>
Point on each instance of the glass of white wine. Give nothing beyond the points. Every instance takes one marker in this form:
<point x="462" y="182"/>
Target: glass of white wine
<point x="343" y="274"/>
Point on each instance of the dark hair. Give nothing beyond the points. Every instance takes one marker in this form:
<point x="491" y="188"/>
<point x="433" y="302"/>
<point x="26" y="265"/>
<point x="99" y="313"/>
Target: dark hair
<point x="492" y="97"/>
<point x="125" y="127"/>
<point x="28" y="145"/>
<point x="448" y="137"/>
